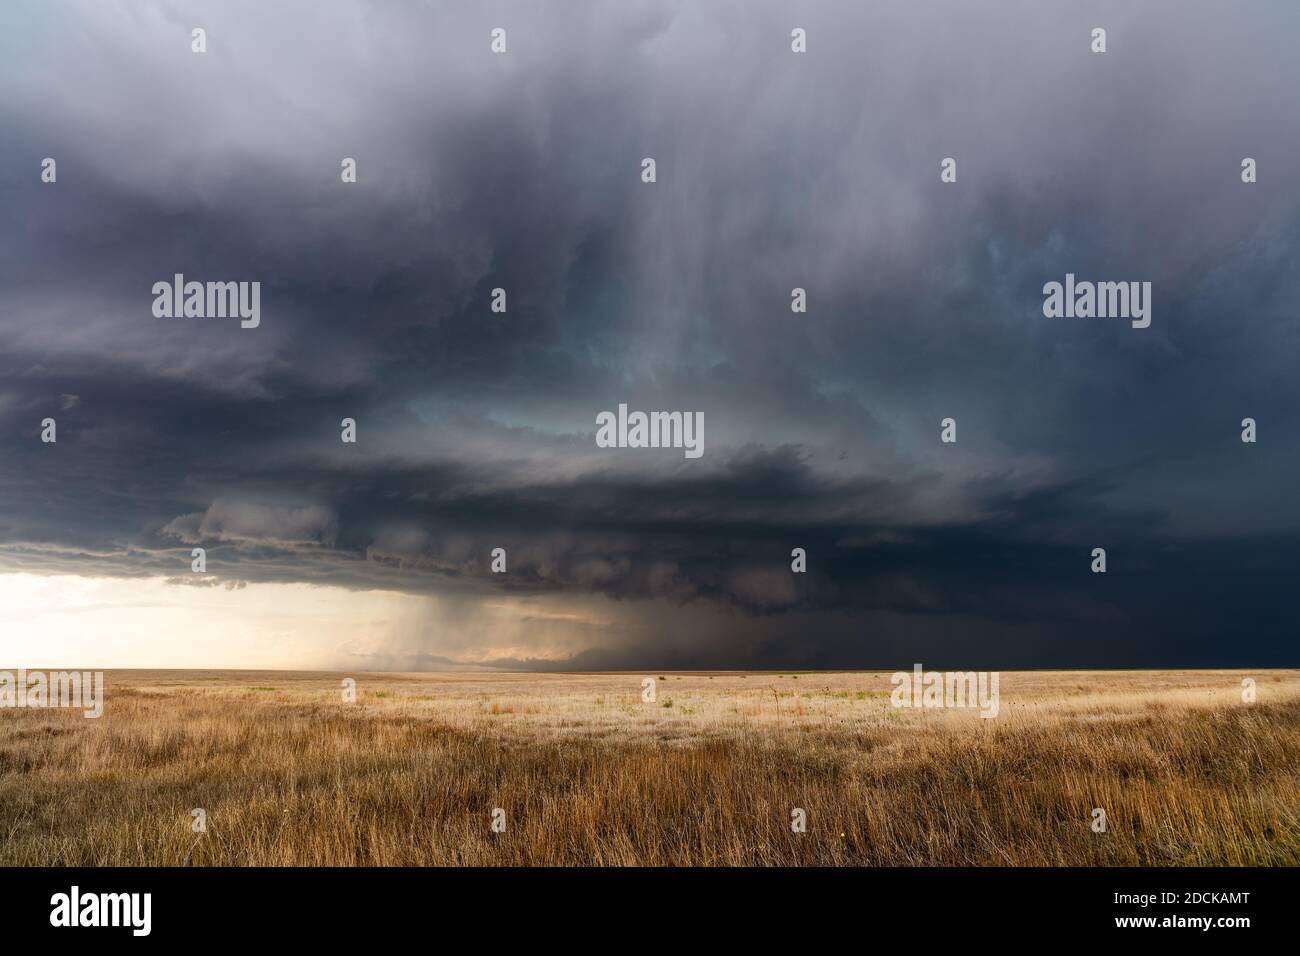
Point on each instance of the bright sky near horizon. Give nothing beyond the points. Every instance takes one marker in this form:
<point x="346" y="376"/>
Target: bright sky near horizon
<point x="68" y="620"/>
<point x="65" y="620"/>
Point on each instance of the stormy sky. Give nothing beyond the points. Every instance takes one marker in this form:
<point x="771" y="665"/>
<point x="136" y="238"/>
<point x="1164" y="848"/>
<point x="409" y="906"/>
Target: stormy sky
<point x="476" y="430"/>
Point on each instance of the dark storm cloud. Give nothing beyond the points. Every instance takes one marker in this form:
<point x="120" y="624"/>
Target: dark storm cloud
<point x="775" y="170"/>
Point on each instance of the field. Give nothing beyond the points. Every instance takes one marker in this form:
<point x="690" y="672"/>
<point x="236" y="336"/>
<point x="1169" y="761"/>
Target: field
<point x="588" y="773"/>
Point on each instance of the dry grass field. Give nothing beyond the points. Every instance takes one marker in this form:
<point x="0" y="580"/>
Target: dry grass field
<point x="588" y="773"/>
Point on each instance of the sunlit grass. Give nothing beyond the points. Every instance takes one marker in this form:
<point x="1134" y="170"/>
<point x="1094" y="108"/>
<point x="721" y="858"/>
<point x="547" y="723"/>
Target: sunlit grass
<point x="589" y="773"/>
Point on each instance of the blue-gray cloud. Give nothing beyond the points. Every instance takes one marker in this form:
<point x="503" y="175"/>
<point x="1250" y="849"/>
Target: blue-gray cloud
<point x="775" y="170"/>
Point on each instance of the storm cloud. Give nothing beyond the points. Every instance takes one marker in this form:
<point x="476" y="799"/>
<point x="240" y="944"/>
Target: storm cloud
<point x="775" y="170"/>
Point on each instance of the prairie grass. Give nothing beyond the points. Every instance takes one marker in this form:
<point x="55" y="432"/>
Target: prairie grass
<point x="589" y="774"/>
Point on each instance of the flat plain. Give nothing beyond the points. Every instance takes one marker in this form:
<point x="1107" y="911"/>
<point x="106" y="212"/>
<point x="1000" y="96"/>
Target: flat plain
<point x="710" y="772"/>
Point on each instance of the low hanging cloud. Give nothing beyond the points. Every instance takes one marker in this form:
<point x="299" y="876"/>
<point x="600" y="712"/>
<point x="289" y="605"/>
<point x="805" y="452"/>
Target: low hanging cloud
<point x="249" y="522"/>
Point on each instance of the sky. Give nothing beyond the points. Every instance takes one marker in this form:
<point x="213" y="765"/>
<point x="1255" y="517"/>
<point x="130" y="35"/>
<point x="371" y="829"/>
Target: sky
<point x="476" y="429"/>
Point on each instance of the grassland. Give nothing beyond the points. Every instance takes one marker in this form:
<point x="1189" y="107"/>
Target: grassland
<point x="708" y="774"/>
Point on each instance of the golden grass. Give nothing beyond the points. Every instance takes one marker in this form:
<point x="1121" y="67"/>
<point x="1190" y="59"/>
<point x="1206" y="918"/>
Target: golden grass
<point x="587" y="773"/>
